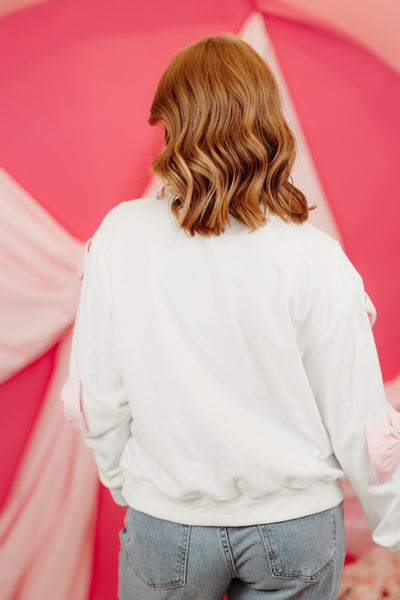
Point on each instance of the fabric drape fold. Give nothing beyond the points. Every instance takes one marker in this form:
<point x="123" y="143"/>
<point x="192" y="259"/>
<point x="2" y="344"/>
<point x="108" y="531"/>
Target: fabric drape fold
<point x="39" y="286"/>
<point x="47" y="525"/>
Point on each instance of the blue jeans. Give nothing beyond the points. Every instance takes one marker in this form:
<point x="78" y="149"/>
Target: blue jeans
<point x="300" y="559"/>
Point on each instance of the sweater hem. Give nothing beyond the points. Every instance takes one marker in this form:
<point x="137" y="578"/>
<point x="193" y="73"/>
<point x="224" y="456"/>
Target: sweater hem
<point x="240" y="511"/>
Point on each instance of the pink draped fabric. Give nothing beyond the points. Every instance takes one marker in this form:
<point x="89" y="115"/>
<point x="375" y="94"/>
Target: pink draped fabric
<point x="83" y="146"/>
<point x="39" y="286"/>
<point x="47" y="525"/>
<point x="374" y="23"/>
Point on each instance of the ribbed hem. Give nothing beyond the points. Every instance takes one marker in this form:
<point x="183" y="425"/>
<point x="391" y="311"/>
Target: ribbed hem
<point x="241" y="511"/>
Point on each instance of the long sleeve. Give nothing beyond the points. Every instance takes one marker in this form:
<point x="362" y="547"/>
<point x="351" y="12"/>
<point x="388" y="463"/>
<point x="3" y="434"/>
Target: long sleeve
<point x="94" y="370"/>
<point x="345" y="376"/>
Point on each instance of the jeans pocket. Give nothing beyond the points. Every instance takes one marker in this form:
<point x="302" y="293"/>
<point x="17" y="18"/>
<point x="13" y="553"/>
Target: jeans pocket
<point x="302" y="548"/>
<point x="156" y="550"/>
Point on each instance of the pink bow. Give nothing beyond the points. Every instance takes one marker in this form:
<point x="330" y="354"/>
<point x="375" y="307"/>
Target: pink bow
<point x="72" y="405"/>
<point x="383" y="442"/>
<point x="370" y="308"/>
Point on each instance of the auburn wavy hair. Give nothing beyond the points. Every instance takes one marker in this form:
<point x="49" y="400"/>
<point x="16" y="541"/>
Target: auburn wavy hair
<point x="228" y="149"/>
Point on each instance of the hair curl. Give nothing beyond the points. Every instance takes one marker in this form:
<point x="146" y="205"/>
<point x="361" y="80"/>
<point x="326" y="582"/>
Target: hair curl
<point x="228" y="149"/>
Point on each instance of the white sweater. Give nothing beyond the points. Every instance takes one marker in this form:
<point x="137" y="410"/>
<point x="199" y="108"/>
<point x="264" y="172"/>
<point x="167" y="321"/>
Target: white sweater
<point x="226" y="380"/>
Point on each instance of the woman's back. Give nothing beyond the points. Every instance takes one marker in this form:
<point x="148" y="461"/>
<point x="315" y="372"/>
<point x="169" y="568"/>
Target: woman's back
<point x="213" y="339"/>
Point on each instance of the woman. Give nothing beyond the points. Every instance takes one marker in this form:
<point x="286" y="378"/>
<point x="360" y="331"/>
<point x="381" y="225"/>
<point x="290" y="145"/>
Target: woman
<point x="224" y="360"/>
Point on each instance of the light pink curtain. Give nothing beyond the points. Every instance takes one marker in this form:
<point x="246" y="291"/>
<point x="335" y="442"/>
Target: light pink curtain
<point x="47" y="525"/>
<point x="39" y="285"/>
<point x="372" y="23"/>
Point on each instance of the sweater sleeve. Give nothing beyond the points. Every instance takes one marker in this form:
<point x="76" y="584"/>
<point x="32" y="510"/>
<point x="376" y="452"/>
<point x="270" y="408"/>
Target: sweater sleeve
<point x="345" y="376"/>
<point x="105" y="414"/>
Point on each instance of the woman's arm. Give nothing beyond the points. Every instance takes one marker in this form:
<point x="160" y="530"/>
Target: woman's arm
<point x="95" y="392"/>
<point x="345" y="376"/>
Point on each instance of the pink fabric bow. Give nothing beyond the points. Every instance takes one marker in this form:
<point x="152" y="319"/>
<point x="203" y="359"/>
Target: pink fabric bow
<point x="370" y="308"/>
<point x="72" y="405"/>
<point x="383" y="442"/>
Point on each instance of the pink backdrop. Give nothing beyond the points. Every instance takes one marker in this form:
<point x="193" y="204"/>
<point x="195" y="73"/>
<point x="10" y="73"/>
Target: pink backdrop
<point x="76" y="82"/>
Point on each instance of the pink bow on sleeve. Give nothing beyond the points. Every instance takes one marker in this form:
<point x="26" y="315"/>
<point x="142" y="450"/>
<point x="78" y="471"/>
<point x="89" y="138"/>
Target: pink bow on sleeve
<point x="370" y="308"/>
<point x="383" y="442"/>
<point x="72" y="405"/>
